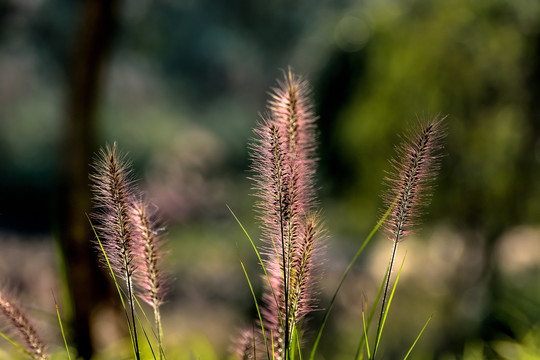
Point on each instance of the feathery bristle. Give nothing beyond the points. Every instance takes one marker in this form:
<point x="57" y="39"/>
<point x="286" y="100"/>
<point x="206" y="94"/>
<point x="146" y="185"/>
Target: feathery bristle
<point x="415" y="167"/>
<point x="19" y="321"/>
<point x="247" y="345"/>
<point x="147" y="237"/>
<point x="302" y="283"/>
<point x="292" y="111"/>
<point x="112" y="196"/>
<point x="284" y="166"/>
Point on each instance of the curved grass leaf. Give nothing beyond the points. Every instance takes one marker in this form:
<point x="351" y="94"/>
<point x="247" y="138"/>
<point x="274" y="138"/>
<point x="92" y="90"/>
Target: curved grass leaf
<point x="131" y="334"/>
<point x="17" y="345"/>
<point x="372" y="313"/>
<point x="418" y="337"/>
<point x="257" y="307"/>
<point x="62" y="328"/>
<point x="349" y="267"/>
<point x="385" y="311"/>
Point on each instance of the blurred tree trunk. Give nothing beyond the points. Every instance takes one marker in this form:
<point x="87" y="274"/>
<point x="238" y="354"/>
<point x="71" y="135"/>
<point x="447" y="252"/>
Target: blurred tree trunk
<point x="86" y="284"/>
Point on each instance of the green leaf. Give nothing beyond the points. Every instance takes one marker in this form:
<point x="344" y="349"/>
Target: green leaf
<point x="17" y="345"/>
<point x="344" y="276"/>
<point x="257" y="307"/>
<point x="418" y="337"/>
<point x="365" y="336"/>
<point x="61" y="328"/>
<point x="385" y="314"/>
<point x="131" y="332"/>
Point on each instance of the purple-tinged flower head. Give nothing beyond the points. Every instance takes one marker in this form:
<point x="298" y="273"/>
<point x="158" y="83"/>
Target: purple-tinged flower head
<point x="415" y="166"/>
<point x="273" y="182"/>
<point x="284" y="166"/>
<point x="113" y="193"/>
<point x="147" y="255"/>
<point x="292" y="111"/>
<point x="305" y="266"/>
<point x="247" y="345"/>
<point x="18" y="320"/>
<point x="279" y="212"/>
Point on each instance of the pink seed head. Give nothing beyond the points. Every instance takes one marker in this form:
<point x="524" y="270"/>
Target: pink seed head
<point x="415" y="167"/>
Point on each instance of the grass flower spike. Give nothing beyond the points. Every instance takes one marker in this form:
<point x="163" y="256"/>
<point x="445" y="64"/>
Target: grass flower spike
<point x="292" y="111"/>
<point x="415" y="167"/>
<point x="147" y="250"/>
<point x="14" y="314"/>
<point x="113" y="196"/>
<point x="130" y="236"/>
<point x="284" y="166"/>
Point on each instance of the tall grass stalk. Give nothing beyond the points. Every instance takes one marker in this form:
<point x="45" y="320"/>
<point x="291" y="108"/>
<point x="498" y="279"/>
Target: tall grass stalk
<point x="344" y="276"/>
<point x="148" y="275"/>
<point x="415" y="167"/>
<point x="284" y="165"/>
<point x="113" y="276"/>
<point x="62" y="328"/>
<point x="113" y="195"/>
<point x="129" y="238"/>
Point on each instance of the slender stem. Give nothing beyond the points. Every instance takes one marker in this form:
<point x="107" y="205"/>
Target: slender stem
<point x="132" y="308"/>
<point x="285" y="279"/>
<point x="378" y="334"/>
<point x="344" y="276"/>
<point x="159" y="331"/>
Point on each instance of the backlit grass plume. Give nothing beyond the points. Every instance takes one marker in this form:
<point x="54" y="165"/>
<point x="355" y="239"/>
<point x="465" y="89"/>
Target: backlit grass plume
<point x="113" y="197"/>
<point x="284" y="165"/>
<point x="11" y="311"/>
<point x="415" y="167"/>
<point x="149" y="276"/>
<point x="129" y="234"/>
<point x="292" y="110"/>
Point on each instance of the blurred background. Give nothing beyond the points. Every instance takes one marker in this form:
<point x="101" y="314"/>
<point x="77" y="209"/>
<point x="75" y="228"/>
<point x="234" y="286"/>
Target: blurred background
<point x="179" y="85"/>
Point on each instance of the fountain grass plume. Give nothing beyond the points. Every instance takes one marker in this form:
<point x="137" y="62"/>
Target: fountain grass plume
<point x="277" y="209"/>
<point x="292" y="110"/>
<point x="113" y="192"/>
<point x="113" y="198"/>
<point x="415" y="167"/>
<point x="149" y="277"/>
<point x="284" y="166"/>
<point x="18" y="320"/>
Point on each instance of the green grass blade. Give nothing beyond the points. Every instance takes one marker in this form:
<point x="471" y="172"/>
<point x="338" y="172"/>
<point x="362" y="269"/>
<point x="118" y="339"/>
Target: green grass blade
<point x="108" y="263"/>
<point x="299" y="349"/>
<point x="344" y="276"/>
<point x="17" y="345"/>
<point x="365" y="336"/>
<point x="257" y="307"/>
<point x="388" y="307"/>
<point x="372" y="313"/>
<point x="117" y="286"/>
<point x="385" y="297"/>
<point x="296" y="344"/>
<point x="145" y="334"/>
<point x="149" y="325"/>
<point x="260" y="262"/>
<point x="293" y="344"/>
<point x="258" y="255"/>
<point x="418" y="337"/>
<point x="62" y="328"/>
